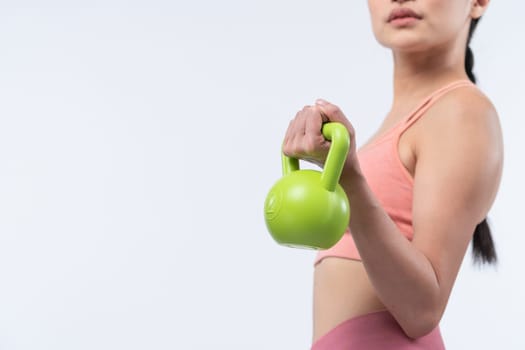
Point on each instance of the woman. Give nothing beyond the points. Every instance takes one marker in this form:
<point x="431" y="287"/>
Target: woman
<point x="420" y="189"/>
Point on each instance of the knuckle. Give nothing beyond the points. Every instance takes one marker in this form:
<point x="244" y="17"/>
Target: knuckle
<point x="334" y="109"/>
<point x="290" y="147"/>
<point x="287" y="149"/>
<point x="309" y="145"/>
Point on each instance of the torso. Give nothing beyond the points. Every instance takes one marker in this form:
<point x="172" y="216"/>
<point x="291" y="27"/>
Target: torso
<point x="342" y="289"/>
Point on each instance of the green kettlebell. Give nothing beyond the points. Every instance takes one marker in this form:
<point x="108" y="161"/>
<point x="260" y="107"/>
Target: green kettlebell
<point x="307" y="208"/>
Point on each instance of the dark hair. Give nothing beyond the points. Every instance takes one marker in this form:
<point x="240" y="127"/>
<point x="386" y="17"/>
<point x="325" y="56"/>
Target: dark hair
<point x="483" y="248"/>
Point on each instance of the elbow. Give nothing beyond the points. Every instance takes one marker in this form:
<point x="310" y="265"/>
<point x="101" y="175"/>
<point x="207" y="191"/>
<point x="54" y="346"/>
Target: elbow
<point x="421" y="324"/>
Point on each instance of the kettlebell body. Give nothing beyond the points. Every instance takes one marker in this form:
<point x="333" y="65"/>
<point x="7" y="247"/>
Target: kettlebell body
<point x="308" y="208"/>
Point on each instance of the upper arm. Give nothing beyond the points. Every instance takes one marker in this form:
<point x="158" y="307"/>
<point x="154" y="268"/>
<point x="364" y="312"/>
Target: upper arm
<point x="458" y="169"/>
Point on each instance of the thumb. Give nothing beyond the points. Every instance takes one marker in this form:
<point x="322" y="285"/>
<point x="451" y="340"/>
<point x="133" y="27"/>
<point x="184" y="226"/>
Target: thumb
<point x="331" y="112"/>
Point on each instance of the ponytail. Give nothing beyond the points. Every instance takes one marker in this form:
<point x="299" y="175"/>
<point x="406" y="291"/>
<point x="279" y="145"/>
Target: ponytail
<point x="483" y="248"/>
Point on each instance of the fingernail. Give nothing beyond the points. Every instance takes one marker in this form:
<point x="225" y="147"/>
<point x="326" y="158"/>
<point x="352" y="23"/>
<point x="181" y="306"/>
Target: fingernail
<point x="321" y="102"/>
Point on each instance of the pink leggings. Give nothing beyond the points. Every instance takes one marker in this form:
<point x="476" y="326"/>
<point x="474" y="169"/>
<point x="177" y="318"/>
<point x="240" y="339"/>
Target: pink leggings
<point x="375" y="331"/>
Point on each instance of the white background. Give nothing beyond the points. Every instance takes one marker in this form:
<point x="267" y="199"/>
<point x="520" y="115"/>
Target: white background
<point x="138" y="140"/>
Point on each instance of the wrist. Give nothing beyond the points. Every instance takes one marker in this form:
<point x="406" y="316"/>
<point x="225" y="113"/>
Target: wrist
<point x="351" y="176"/>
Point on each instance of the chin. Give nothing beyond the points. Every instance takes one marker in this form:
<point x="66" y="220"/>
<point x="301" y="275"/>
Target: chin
<point x="405" y="44"/>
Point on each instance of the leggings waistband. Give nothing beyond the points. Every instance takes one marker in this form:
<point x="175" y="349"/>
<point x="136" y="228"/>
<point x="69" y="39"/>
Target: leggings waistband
<point x="375" y="331"/>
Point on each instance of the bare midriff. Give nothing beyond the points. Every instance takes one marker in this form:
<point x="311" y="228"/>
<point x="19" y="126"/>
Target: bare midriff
<point x="342" y="291"/>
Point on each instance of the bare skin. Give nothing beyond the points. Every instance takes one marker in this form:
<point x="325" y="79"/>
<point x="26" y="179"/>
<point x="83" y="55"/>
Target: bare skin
<point x="454" y="154"/>
<point x="343" y="288"/>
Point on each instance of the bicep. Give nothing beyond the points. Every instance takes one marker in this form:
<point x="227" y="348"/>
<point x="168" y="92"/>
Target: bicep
<point x="456" y="178"/>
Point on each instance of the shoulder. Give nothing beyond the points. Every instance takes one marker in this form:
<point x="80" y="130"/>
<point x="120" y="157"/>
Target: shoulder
<point x="462" y="116"/>
<point x="465" y="109"/>
<point x="460" y="144"/>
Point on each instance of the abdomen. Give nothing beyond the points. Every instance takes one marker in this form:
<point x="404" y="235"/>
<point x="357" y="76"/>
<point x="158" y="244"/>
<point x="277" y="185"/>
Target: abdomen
<point x="342" y="290"/>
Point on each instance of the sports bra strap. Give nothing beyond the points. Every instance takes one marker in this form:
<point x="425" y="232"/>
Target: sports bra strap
<point x="430" y="100"/>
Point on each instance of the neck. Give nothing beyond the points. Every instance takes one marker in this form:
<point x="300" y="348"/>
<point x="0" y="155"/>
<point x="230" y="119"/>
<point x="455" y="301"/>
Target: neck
<point x="417" y="74"/>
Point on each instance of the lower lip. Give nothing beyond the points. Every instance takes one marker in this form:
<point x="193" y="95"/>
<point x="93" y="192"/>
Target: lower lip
<point x="404" y="21"/>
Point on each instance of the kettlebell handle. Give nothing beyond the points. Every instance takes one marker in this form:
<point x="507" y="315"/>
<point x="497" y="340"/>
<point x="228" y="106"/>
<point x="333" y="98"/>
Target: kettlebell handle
<point x="335" y="160"/>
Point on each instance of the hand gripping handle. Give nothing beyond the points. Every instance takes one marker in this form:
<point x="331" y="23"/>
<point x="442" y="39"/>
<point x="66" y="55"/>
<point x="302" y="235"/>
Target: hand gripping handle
<point x="335" y="160"/>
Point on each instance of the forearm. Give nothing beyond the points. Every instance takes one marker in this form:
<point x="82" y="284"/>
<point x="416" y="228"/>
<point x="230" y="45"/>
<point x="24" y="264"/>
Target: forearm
<point x="403" y="277"/>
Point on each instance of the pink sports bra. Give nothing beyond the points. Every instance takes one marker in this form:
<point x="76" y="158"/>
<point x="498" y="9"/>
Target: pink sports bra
<point x="387" y="177"/>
